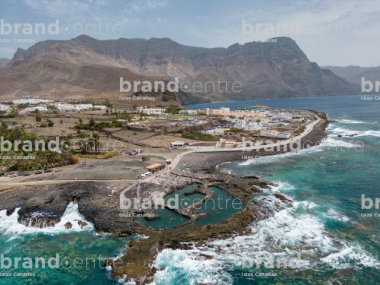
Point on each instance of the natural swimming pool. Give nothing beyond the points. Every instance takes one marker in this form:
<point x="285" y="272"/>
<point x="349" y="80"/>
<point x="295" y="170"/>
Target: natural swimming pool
<point x="221" y="207"/>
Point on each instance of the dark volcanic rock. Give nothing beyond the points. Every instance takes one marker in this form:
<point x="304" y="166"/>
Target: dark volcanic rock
<point x="68" y="225"/>
<point x="82" y="224"/>
<point x="11" y="209"/>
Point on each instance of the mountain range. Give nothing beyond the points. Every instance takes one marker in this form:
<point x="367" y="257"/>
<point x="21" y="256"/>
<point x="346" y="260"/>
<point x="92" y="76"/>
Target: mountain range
<point x="86" y="67"/>
<point x="355" y="73"/>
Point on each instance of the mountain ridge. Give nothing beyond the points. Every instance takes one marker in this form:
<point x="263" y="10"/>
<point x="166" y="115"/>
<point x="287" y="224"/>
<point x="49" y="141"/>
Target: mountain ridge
<point x="265" y="70"/>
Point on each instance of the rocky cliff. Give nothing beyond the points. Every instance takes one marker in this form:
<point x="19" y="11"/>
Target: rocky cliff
<point x="258" y="70"/>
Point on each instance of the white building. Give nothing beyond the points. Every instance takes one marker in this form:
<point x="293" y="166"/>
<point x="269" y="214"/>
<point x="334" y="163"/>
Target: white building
<point x="152" y="111"/>
<point x="71" y="107"/>
<point x="205" y="111"/>
<point x="32" y="109"/>
<point x="215" y="131"/>
<point x="189" y="112"/>
<point x="177" y="144"/>
<point x="31" y="101"/>
<point x="283" y="135"/>
<point x="268" y="133"/>
<point x="100" y="107"/>
<point x="253" y="127"/>
<point x="4" y="107"/>
<point x="242" y="125"/>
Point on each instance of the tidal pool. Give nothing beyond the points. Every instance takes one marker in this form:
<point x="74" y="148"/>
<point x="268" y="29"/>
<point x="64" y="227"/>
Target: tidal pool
<point x="221" y="207"/>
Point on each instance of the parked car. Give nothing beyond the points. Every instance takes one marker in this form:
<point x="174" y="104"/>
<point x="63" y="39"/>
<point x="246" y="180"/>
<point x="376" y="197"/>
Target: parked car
<point x="38" y="172"/>
<point x="26" y="174"/>
<point x="48" y="170"/>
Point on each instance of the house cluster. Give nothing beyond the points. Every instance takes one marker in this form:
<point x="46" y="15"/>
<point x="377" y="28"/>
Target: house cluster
<point x="77" y="107"/>
<point x="31" y="101"/>
<point x="4" y="107"/>
<point x="150" y="111"/>
<point x="191" y="122"/>
<point x="42" y="106"/>
<point x="32" y="109"/>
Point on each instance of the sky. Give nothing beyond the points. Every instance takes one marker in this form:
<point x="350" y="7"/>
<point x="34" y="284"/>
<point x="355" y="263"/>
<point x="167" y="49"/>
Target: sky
<point x="330" y="32"/>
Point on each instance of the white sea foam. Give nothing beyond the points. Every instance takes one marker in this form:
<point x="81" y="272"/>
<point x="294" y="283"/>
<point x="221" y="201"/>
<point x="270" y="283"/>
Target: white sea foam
<point x="11" y="226"/>
<point x="282" y="186"/>
<point x="337" y="144"/>
<point x="351" y="255"/>
<point x="348" y="132"/>
<point x="343" y="121"/>
<point x="304" y="204"/>
<point x="286" y="234"/>
<point x="334" y="215"/>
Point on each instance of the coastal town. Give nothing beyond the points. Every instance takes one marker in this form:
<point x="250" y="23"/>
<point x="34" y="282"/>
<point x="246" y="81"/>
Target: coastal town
<point x="139" y="133"/>
<point x="105" y="156"/>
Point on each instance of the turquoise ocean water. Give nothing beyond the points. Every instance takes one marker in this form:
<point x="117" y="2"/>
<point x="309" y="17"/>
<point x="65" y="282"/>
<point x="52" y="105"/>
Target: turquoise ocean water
<point x="325" y="223"/>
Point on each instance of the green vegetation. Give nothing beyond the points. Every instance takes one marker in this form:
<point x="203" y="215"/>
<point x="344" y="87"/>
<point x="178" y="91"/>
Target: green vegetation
<point x="232" y="130"/>
<point x="23" y="106"/>
<point x="100" y="156"/>
<point x="107" y="103"/>
<point x="173" y="110"/>
<point x="299" y="131"/>
<point x="201" y="137"/>
<point x="42" y="159"/>
<point x="100" y="125"/>
<point x="38" y="118"/>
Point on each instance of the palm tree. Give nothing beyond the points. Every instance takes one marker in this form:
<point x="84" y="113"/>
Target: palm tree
<point x="90" y="143"/>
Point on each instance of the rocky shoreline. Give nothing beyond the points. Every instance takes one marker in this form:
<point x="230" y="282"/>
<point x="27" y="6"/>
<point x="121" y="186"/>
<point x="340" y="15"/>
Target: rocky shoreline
<point x="43" y="206"/>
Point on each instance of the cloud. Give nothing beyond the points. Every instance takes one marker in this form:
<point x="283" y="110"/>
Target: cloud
<point x="94" y="11"/>
<point x="140" y="6"/>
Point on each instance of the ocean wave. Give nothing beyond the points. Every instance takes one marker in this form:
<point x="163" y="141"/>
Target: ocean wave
<point x="11" y="226"/>
<point x="348" y="132"/>
<point x="281" y="186"/>
<point x="305" y="205"/>
<point x="283" y="235"/>
<point x="334" y="215"/>
<point x="351" y="256"/>
<point x="344" y="121"/>
<point x="334" y="143"/>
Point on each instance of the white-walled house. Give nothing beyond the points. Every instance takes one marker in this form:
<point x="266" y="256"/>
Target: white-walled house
<point x="268" y="133"/>
<point x="178" y="144"/>
<point x="283" y="135"/>
<point x="32" y="109"/>
<point x="205" y="111"/>
<point x="71" y="107"/>
<point x="31" y="101"/>
<point x="188" y="112"/>
<point x="240" y="124"/>
<point x="152" y="111"/>
<point x="4" y="107"/>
